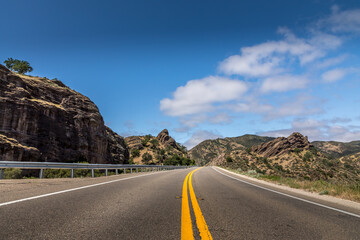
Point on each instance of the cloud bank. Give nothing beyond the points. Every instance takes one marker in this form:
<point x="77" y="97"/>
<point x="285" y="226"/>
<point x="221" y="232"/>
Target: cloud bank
<point x="273" y="80"/>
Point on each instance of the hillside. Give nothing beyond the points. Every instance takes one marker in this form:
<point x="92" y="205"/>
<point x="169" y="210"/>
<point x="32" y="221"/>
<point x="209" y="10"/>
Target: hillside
<point x="206" y="151"/>
<point x="293" y="156"/>
<point x="44" y="120"/>
<point x="337" y="149"/>
<point x="162" y="149"/>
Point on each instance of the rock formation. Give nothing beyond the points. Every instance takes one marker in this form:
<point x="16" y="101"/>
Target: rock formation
<point x="166" y="140"/>
<point x="44" y="120"/>
<point x="282" y="145"/>
<point x="161" y="148"/>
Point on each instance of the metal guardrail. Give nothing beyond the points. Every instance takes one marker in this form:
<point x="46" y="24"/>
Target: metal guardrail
<point x="92" y="167"/>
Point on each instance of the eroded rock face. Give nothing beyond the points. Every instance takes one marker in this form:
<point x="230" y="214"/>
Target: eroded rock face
<point x="59" y="124"/>
<point x="282" y="145"/>
<point x="165" y="139"/>
<point x="134" y="142"/>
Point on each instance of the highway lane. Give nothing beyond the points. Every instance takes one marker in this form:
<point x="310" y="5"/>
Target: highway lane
<point x="147" y="207"/>
<point x="236" y="210"/>
<point x="150" y="207"/>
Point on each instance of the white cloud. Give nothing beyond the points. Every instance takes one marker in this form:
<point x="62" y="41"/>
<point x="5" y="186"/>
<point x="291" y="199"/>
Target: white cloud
<point x="273" y="57"/>
<point x="200" y="136"/>
<point x="342" y="21"/>
<point x="322" y="130"/>
<point x="331" y="61"/>
<point x="308" y="123"/>
<point x="334" y="75"/>
<point x="193" y="120"/>
<point x="283" y="83"/>
<point x="251" y="106"/>
<point x="220" y="118"/>
<point x="199" y="96"/>
<point x="301" y="105"/>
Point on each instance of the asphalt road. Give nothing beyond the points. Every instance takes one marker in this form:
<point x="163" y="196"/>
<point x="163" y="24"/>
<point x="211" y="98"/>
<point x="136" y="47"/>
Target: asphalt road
<point x="149" y="206"/>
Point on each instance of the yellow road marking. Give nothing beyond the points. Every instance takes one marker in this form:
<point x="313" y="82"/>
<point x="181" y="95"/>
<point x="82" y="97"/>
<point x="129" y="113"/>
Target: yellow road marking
<point x="200" y="220"/>
<point x="186" y="224"/>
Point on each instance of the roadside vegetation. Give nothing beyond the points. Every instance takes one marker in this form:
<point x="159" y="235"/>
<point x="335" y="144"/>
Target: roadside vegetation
<point x="345" y="190"/>
<point x="16" y="173"/>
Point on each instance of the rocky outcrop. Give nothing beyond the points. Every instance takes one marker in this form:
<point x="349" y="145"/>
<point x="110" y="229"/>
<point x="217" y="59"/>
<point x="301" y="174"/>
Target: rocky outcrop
<point x="12" y="150"/>
<point x="166" y="140"/>
<point x="283" y="145"/>
<point x="134" y="142"/>
<point x="44" y="120"/>
<point x="161" y="148"/>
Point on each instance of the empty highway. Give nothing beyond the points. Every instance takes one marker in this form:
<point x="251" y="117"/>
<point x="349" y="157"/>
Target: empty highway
<point x="196" y="203"/>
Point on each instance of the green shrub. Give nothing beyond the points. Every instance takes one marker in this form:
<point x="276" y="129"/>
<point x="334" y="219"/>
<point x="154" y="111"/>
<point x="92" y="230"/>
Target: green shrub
<point x="57" y="173"/>
<point x="146" y="157"/>
<point x="307" y="156"/>
<point x="279" y="167"/>
<point x="179" y="160"/>
<point x="12" y="173"/>
<point x="229" y="159"/>
<point x="135" y="152"/>
<point x="297" y="150"/>
<point x="154" y="143"/>
<point x="325" y="192"/>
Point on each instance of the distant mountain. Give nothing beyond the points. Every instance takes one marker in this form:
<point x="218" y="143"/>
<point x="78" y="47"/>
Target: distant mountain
<point x="162" y="149"/>
<point x="206" y="151"/>
<point x="293" y="156"/>
<point x="337" y="149"/>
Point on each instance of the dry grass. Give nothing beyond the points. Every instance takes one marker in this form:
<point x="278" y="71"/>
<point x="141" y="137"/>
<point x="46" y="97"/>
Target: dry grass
<point x="350" y="191"/>
<point x="46" y="103"/>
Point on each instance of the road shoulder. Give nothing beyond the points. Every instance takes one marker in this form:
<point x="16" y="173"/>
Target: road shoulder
<point x="341" y="204"/>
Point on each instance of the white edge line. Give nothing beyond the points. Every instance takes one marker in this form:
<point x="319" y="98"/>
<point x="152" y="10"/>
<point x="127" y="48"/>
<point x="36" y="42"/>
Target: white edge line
<point x="287" y="195"/>
<point x="74" y="189"/>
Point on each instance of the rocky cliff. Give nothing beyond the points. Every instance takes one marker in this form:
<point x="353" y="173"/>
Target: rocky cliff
<point x="44" y="120"/>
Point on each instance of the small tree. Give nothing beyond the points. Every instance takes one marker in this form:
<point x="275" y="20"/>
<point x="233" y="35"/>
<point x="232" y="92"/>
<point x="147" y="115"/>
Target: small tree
<point x="146" y="157"/>
<point x="135" y="152"/>
<point x="19" y="66"/>
<point x="229" y="159"/>
<point x="155" y="143"/>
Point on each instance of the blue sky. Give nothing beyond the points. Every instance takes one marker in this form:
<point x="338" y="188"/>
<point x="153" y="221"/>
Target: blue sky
<point x="202" y="69"/>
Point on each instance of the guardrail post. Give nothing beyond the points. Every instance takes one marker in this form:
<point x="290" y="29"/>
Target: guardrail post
<point x="72" y="173"/>
<point x="124" y="170"/>
<point x="41" y="173"/>
<point x="2" y="173"/>
<point x="130" y="170"/>
<point x="116" y="171"/>
<point x="92" y="173"/>
<point x="137" y="170"/>
<point x="106" y="172"/>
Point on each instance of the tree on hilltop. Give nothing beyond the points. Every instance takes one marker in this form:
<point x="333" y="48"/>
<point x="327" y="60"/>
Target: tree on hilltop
<point x="19" y="66"/>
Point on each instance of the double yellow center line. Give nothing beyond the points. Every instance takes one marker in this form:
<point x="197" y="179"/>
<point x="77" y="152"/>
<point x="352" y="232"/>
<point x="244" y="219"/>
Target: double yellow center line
<point x="186" y="223"/>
